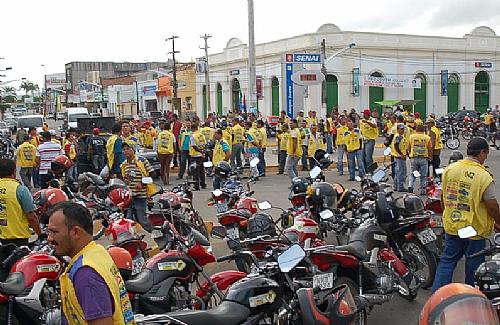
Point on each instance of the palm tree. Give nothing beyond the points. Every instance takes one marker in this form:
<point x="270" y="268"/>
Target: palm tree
<point x="9" y="90"/>
<point x="28" y="86"/>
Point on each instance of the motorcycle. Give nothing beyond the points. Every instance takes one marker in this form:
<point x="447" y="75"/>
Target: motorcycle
<point x="449" y="135"/>
<point x="95" y="187"/>
<point x="7" y="149"/>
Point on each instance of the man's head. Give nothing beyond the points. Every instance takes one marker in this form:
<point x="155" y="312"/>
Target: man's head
<point x="125" y="129"/>
<point x="194" y="126"/>
<point x="301" y="113"/>
<point x="32" y="131"/>
<point x="218" y="134"/>
<point x="26" y="138"/>
<point x="117" y="128"/>
<point x="420" y="128"/>
<point x="479" y="149"/>
<point x="46" y="136"/>
<point x="7" y="168"/>
<point x="285" y="128"/>
<point x="366" y="113"/>
<point x="166" y="125"/>
<point x="248" y="125"/>
<point x="187" y="124"/>
<point x="260" y="124"/>
<point x="350" y="125"/>
<point x="400" y="119"/>
<point x="342" y="120"/>
<point x="430" y="122"/>
<point x="293" y="123"/>
<point x="313" y="129"/>
<point x="128" y="151"/>
<point x="401" y="129"/>
<point x="70" y="228"/>
<point x="303" y="124"/>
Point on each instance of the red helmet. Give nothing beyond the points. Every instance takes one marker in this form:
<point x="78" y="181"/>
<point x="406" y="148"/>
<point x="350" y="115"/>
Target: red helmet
<point x="60" y="164"/>
<point x="170" y="200"/>
<point x="96" y="131"/>
<point x="120" y="197"/>
<point x="45" y="199"/>
<point x="123" y="260"/>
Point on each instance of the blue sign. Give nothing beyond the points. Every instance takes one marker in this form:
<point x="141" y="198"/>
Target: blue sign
<point x="289" y="89"/>
<point x="306" y="58"/>
<point x="149" y="90"/>
<point x="444" y="82"/>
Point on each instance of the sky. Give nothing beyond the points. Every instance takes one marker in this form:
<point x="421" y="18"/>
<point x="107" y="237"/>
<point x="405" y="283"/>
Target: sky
<point x="39" y="37"/>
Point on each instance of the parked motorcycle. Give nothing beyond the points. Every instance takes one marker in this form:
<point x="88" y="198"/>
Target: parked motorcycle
<point x="7" y="149"/>
<point x="95" y="187"/>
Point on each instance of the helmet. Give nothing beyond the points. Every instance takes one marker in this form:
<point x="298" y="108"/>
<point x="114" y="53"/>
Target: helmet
<point x="261" y="224"/>
<point x="45" y="199"/>
<point x="488" y="278"/>
<point x="409" y="205"/>
<point x="335" y="306"/>
<point x="170" y="200"/>
<point x="120" y="197"/>
<point x="458" y="303"/>
<point x="95" y="131"/>
<point x="322" y="195"/>
<point x="123" y="261"/>
<point x="455" y="156"/>
<point x="299" y="185"/>
<point x="60" y="164"/>
<point x="222" y="169"/>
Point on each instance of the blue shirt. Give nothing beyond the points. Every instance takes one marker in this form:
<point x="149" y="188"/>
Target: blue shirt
<point x="25" y="198"/>
<point x="225" y="146"/>
<point x="185" y="144"/>
<point x="253" y="149"/>
<point x="118" y="150"/>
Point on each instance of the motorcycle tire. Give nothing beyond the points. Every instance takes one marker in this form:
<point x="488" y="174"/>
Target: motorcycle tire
<point x="3" y="315"/>
<point x="413" y="248"/>
<point x="467" y="135"/>
<point x="452" y="143"/>
<point x="361" y="316"/>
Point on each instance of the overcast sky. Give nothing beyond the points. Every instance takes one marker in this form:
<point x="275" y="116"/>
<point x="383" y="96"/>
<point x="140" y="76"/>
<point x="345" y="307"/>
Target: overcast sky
<point x="55" y="32"/>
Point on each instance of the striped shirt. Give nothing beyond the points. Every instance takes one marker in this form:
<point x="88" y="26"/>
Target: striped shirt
<point x="134" y="176"/>
<point x="47" y="151"/>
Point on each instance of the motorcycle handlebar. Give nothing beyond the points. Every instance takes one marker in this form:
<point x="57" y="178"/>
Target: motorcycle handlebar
<point x="486" y="251"/>
<point x="226" y="258"/>
<point x="17" y="253"/>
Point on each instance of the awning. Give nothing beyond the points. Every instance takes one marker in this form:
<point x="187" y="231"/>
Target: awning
<point x="394" y="102"/>
<point x="408" y="102"/>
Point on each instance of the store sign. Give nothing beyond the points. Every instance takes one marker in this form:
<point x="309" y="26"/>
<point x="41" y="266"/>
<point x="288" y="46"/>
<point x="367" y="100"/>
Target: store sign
<point x="234" y="72"/>
<point x="303" y="58"/>
<point x="308" y="77"/>
<point x="369" y="81"/>
<point x="289" y="89"/>
<point x="483" y="64"/>
<point x="149" y="90"/>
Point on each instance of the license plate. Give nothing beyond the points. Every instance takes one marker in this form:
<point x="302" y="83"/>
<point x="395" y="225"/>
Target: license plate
<point x="221" y="207"/>
<point x="323" y="281"/>
<point x="233" y="233"/>
<point x="156" y="234"/>
<point x="437" y="220"/>
<point x="426" y="236"/>
<point x="137" y="264"/>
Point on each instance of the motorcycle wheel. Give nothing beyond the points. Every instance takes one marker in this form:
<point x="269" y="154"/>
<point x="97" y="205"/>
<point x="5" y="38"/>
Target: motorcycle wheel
<point x="417" y="257"/>
<point x="467" y="135"/>
<point x="453" y="143"/>
<point x="361" y="316"/>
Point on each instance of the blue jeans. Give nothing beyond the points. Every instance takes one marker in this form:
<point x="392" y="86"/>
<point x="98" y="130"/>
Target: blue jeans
<point x="454" y="248"/>
<point x="369" y="147"/>
<point x="254" y="170"/>
<point x="400" y="179"/>
<point x="352" y="157"/>
<point x="262" y="162"/>
<point x="138" y="209"/>
<point x="36" y="177"/>
<point x="329" y="143"/>
<point x="341" y="149"/>
<point x="304" y="158"/>
<point x="419" y="164"/>
<point x="236" y="155"/>
<point x="291" y="166"/>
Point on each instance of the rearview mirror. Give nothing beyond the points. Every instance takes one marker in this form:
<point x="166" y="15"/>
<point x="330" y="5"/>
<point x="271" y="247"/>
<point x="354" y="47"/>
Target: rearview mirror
<point x="218" y="232"/>
<point x="290" y="258"/>
<point x="264" y="205"/>
<point x="467" y="232"/>
<point x="254" y="162"/>
<point x="132" y="173"/>
<point x="208" y="164"/>
<point x="439" y="171"/>
<point x="496" y="239"/>
<point x="315" y="172"/>
<point x="357" y="179"/>
<point x="147" y="180"/>
<point x="217" y="192"/>
<point x="326" y="214"/>
<point x="416" y="173"/>
<point x="387" y="151"/>
<point x="378" y="176"/>
<point x="326" y="155"/>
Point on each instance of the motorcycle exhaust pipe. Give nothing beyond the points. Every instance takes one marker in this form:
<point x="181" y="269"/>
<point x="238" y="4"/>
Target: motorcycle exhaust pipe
<point x="368" y="300"/>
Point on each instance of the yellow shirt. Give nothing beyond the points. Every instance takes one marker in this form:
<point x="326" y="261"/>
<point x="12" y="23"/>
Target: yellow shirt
<point x="219" y="154"/>
<point x="227" y="136"/>
<point x="26" y="155"/>
<point x="239" y="134"/>
<point x="283" y="140"/>
<point x="310" y="121"/>
<point x="208" y="132"/>
<point x="263" y="132"/>
<point x="257" y="135"/>
<point x="352" y="140"/>
<point x="403" y="146"/>
<point x="166" y="140"/>
<point x="464" y="183"/>
<point x="341" y="130"/>
<point x="368" y="132"/>
<point x="439" y="143"/>
<point x="419" y="143"/>
<point x="488" y="119"/>
<point x="295" y="133"/>
<point x="199" y="140"/>
<point x="13" y="222"/>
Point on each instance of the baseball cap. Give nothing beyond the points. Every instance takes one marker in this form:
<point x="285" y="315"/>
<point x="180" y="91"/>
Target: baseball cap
<point x="52" y="132"/>
<point x="401" y="126"/>
<point x="96" y="131"/>
<point x="366" y="111"/>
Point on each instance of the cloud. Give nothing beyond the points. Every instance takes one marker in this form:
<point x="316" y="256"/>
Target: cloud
<point x="452" y="13"/>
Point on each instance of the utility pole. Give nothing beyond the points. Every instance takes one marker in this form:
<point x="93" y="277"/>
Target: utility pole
<point x="251" y="57"/>
<point x="207" y="76"/>
<point x="324" y="72"/>
<point x="175" y="100"/>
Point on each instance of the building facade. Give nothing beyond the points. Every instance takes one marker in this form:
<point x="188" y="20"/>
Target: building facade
<point x="452" y="72"/>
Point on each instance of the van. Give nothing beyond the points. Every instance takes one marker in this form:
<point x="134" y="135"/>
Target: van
<point x="19" y="111"/>
<point x="28" y="121"/>
<point x="72" y="115"/>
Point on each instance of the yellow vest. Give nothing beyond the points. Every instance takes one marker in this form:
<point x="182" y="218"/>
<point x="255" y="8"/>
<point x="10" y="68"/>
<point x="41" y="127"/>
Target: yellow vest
<point x="403" y="145"/>
<point x="368" y="132"/>
<point x="488" y="119"/>
<point x="329" y="125"/>
<point x="96" y="257"/>
<point x="26" y="155"/>
<point x="289" y="147"/>
<point x="35" y="141"/>
<point x="439" y="143"/>
<point x="165" y="143"/>
<point x="56" y="141"/>
<point x="389" y="126"/>
<point x="257" y="135"/>
<point x="13" y="222"/>
<point x="72" y="151"/>
<point x="419" y="145"/>
<point x="341" y="130"/>
<point x="283" y="137"/>
<point x="131" y="140"/>
<point x="110" y="152"/>
<point x="239" y="134"/>
<point x="464" y="183"/>
<point x="310" y="121"/>
<point x="219" y="154"/>
<point x="208" y="132"/>
<point x="419" y="121"/>
<point x="200" y="141"/>
<point x="149" y="137"/>
<point x="314" y="143"/>
<point x="263" y="133"/>
<point x="227" y="136"/>
<point x="352" y="140"/>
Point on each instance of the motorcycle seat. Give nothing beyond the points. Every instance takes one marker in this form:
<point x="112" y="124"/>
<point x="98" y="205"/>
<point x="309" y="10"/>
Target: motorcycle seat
<point x="13" y="285"/>
<point x="96" y="179"/>
<point x="241" y="212"/>
<point x="355" y="248"/>
<point x="140" y="283"/>
<point x="227" y="313"/>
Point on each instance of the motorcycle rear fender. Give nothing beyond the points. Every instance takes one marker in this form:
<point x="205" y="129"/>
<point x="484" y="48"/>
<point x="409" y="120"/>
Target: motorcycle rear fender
<point x="222" y="280"/>
<point x="31" y="302"/>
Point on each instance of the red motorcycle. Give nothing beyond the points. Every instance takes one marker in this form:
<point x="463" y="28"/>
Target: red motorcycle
<point x="29" y="287"/>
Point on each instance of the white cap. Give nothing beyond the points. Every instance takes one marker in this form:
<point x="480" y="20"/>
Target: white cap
<point x="52" y="132"/>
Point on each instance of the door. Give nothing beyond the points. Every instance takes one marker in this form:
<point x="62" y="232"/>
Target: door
<point x="376" y="94"/>
<point x="235" y="95"/>
<point x="482" y="92"/>
<point x="219" y="99"/>
<point x="332" y="92"/>
<point x="453" y="88"/>
<point x="420" y="94"/>
<point x="275" y="84"/>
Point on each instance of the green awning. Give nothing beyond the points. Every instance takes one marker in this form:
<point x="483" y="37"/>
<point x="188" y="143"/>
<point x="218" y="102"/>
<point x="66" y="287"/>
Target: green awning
<point x="388" y="102"/>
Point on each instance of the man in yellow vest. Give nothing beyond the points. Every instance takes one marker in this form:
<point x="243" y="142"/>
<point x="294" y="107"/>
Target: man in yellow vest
<point x="35" y="140"/>
<point x="420" y="149"/>
<point x="469" y="200"/>
<point x="315" y="142"/>
<point x="92" y="289"/>
<point x="254" y="143"/>
<point x="328" y="131"/>
<point x="369" y="131"/>
<point x="165" y="150"/>
<point x="70" y="150"/>
<point x="340" y="143"/>
<point x="293" y="149"/>
<point x="282" y="137"/>
<point x="263" y="145"/>
<point x="399" y="151"/>
<point x="354" y="146"/>
<point x="16" y="207"/>
<point x="114" y="151"/>
<point x="436" y="142"/>
<point x="197" y="146"/>
<point x="26" y="160"/>
<point x="221" y="152"/>
<point x="238" y="131"/>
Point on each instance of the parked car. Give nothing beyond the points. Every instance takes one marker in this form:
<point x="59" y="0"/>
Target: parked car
<point x="460" y="115"/>
<point x="61" y="115"/>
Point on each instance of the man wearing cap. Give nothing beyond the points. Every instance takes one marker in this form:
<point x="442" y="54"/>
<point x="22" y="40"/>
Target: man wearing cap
<point x="238" y="131"/>
<point x="420" y="153"/>
<point x="300" y="117"/>
<point x="96" y="151"/>
<point x="369" y="131"/>
<point x="468" y="200"/>
<point x="436" y="143"/>
<point x="399" y="148"/>
<point x="53" y="137"/>
<point x="354" y="147"/>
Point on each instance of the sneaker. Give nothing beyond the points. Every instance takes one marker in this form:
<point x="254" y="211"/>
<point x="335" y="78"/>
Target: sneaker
<point x="410" y="189"/>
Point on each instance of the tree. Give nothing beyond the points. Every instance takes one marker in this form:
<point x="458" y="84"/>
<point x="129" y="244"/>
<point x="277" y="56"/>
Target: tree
<point x="9" y="90"/>
<point x="28" y="86"/>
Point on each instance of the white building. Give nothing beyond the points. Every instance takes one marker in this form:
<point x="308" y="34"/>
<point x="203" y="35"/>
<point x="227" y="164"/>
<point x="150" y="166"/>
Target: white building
<point x="471" y="80"/>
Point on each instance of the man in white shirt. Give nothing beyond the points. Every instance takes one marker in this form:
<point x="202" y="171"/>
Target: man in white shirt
<point x="45" y="153"/>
